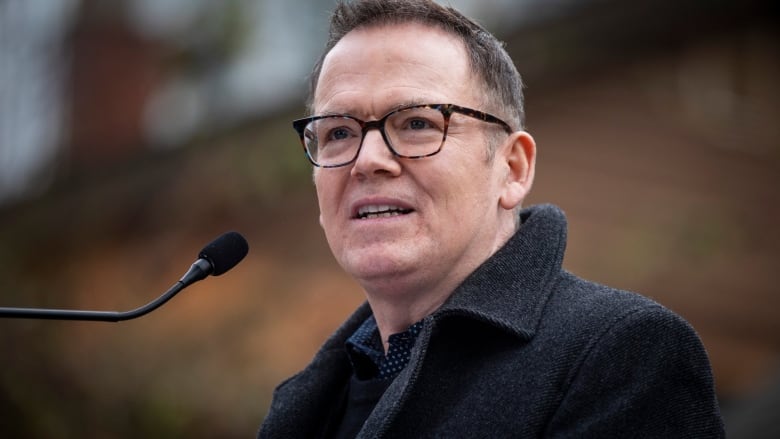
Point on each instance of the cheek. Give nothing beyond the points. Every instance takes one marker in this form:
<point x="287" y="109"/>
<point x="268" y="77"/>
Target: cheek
<point x="471" y="198"/>
<point x="471" y="183"/>
<point x="327" y="208"/>
<point x="327" y="218"/>
<point x="329" y="194"/>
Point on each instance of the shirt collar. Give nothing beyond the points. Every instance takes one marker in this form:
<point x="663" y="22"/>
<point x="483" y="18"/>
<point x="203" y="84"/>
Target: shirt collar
<point x="367" y="355"/>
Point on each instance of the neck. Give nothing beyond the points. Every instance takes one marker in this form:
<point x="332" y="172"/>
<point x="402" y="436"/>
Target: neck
<point x="394" y="315"/>
<point x="406" y="299"/>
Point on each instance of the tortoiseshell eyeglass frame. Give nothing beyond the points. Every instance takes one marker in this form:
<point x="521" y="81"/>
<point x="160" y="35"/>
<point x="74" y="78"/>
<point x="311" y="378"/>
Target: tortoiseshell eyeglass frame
<point x="446" y="110"/>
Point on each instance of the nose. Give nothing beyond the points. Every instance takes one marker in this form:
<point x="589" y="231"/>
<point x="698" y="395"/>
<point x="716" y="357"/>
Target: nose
<point x="375" y="157"/>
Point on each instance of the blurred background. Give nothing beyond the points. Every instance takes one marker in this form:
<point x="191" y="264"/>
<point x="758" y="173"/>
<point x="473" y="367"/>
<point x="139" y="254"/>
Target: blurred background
<point x="133" y="132"/>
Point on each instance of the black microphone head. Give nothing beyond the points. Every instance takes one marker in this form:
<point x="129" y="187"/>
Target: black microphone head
<point x="225" y="252"/>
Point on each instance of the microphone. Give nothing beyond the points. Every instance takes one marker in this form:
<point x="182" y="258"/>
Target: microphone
<point x="215" y="259"/>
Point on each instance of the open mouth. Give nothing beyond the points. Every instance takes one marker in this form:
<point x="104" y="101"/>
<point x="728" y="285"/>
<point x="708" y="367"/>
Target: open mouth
<point x="385" y="211"/>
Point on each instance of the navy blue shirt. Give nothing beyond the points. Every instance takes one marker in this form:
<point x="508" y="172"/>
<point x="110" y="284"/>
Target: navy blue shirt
<point x="367" y="354"/>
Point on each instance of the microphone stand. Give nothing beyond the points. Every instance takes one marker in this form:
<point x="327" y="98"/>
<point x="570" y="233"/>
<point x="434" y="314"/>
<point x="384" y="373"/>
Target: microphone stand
<point x="199" y="270"/>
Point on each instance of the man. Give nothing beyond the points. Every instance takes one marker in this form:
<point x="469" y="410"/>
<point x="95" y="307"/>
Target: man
<point x="471" y="327"/>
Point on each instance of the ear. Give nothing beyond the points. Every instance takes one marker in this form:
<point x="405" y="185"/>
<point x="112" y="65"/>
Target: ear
<point x="518" y="155"/>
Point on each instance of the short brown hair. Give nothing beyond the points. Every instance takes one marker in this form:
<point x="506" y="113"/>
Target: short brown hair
<point x="488" y="59"/>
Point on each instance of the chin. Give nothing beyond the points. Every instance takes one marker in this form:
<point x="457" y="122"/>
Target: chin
<point x="371" y="268"/>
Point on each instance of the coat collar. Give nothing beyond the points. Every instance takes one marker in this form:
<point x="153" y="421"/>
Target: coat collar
<point x="510" y="289"/>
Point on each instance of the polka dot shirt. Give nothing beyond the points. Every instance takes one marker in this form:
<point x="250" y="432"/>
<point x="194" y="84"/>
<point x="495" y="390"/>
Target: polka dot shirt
<point x="367" y="353"/>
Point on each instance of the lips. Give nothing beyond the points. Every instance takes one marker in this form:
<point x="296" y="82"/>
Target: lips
<point x="372" y="211"/>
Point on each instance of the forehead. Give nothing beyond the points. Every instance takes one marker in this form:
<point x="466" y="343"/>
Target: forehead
<point x="389" y="65"/>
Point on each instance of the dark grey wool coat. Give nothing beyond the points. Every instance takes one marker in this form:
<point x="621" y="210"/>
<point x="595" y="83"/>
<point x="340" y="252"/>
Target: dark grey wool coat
<point x="524" y="349"/>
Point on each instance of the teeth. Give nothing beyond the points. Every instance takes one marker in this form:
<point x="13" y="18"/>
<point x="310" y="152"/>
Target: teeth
<point x="375" y="209"/>
<point x="380" y="211"/>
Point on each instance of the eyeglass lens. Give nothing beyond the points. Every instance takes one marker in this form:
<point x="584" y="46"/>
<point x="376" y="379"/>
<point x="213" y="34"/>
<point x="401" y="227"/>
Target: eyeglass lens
<point x="411" y="132"/>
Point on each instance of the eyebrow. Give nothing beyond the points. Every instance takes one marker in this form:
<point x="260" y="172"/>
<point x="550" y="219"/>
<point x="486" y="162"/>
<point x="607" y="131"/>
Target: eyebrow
<point x="409" y="103"/>
<point x="398" y="106"/>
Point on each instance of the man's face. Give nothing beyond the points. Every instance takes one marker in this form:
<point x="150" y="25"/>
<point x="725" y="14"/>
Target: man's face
<point x="445" y="210"/>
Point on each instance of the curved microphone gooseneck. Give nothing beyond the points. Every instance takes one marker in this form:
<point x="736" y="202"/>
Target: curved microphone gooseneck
<point x="216" y="258"/>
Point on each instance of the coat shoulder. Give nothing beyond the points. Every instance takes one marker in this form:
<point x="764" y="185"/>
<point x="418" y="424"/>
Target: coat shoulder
<point x="577" y="302"/>
<point x="596" y="319"/>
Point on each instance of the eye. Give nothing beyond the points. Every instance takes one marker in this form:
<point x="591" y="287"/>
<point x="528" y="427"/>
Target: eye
<point x="340" y="133"/>
<point x="336" y="129"/>
<point x="417" y="119"/>
<point x="416" y="123"/>
<point x="419" y="124"/>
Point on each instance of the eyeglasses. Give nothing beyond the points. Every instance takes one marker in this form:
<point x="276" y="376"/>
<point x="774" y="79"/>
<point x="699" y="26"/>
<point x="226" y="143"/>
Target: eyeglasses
<point x="411" y="132"/>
